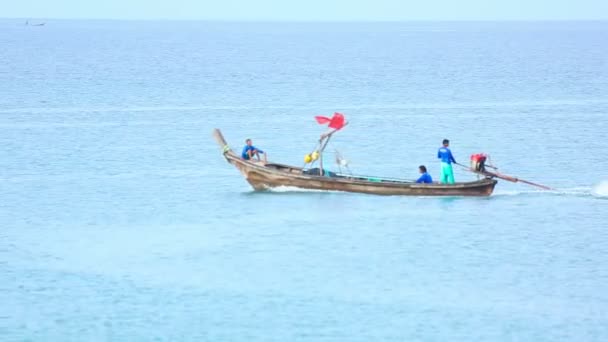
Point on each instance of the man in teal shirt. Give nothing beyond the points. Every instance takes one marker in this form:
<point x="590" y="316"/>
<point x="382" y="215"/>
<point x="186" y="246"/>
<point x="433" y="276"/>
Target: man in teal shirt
<point x="447" y="159"/>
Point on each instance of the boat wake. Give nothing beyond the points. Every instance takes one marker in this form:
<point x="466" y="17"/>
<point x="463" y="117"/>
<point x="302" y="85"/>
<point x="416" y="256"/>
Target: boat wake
<point x="599" y="190"/>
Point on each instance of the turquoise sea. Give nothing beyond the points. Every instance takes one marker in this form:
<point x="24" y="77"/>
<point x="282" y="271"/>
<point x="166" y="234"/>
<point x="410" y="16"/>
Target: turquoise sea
<point x="121" y="221"/>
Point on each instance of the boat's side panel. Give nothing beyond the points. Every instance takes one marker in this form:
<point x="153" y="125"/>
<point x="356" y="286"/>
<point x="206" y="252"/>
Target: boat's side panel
<point x="260" y="180"/>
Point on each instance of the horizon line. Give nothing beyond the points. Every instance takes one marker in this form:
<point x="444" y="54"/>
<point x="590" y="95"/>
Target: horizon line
<point x="307" y="20"/>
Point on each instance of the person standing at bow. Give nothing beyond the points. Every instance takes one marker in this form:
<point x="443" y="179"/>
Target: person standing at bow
<point x="447" y="159"/>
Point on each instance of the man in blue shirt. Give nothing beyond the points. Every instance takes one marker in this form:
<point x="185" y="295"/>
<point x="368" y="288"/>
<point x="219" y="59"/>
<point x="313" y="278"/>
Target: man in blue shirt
<point x="249" y="151"/>
<point x="425" y="177"/>
<point x="447" y="159"/>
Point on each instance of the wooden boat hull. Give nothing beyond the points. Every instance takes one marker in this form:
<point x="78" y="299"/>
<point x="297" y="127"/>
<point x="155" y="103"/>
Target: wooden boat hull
<point x="265" y="177"/>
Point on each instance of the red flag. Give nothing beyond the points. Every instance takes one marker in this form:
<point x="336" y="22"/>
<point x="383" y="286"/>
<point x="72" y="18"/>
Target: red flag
<point x="337" y="121"/>
<point x="322" y="119"/>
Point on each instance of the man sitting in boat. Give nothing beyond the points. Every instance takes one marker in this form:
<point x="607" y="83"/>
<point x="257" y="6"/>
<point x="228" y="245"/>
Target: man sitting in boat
<point x="444" y="153"/>
<point x="249" y="151"/>
<point x="425" y="177"/>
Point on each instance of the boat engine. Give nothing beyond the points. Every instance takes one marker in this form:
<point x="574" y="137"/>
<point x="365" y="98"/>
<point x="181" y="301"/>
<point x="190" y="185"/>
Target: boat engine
<point x="478" y="162"/>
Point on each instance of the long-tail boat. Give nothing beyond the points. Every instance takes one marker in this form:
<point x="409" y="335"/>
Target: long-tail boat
<point x="272" y="175"/>
<point x="264" y="176"/>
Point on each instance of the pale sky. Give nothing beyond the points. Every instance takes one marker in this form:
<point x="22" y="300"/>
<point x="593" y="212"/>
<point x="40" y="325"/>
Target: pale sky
<point x="309" y="10"/>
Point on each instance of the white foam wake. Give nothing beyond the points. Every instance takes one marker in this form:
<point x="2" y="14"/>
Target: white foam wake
<point x="566" y="191"/>
<point x="600" y="189"/>
<point x="295" y="189"/>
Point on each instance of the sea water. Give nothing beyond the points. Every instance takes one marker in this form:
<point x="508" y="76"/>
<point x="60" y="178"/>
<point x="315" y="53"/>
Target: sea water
<point x="120" y="220"/>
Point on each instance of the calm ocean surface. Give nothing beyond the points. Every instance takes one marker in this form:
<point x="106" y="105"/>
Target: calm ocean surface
<point x="121" y="221"/>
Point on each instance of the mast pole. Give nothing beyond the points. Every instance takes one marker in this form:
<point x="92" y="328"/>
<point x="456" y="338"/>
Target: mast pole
<point x="323" y="144"/>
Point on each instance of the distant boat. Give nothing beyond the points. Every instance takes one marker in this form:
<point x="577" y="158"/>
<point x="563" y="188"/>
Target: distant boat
<point x="27" y="23"/>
